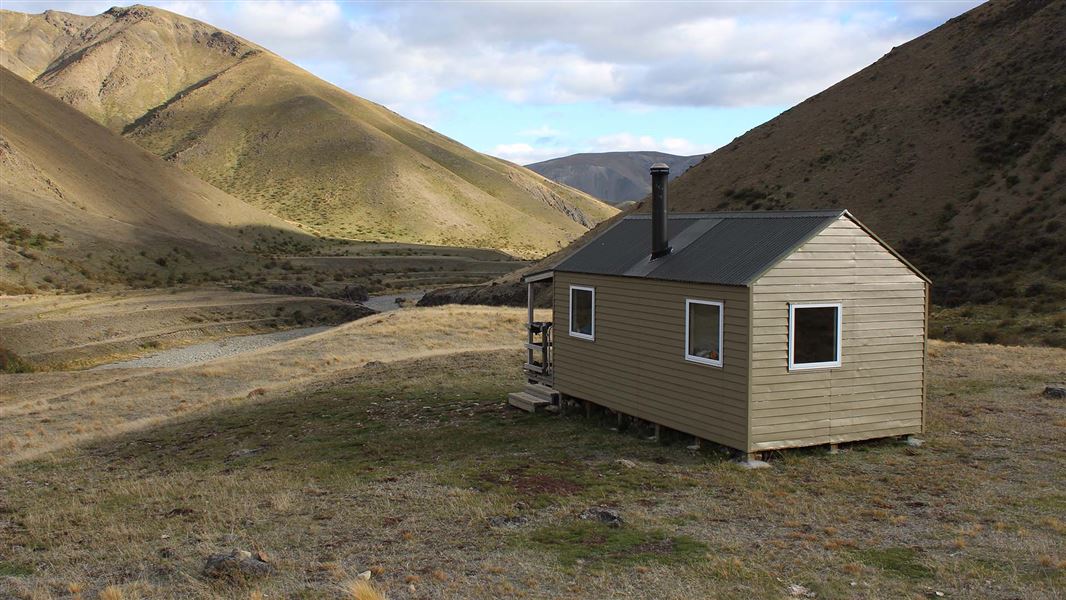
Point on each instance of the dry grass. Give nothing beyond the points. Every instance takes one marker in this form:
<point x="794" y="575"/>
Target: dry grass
<point x="361" y="589"/>
<point x="65" y="331"/>
<point x="45" y="411"/>
<point x="416" y="472"/>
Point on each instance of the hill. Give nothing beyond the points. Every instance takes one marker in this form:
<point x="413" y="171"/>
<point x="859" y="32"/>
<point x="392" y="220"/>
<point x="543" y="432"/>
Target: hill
<point x="273" y="135"/>
<point x="81" y="204"/>
<point x="951" y="147"/>
<point x="614" y="177"/>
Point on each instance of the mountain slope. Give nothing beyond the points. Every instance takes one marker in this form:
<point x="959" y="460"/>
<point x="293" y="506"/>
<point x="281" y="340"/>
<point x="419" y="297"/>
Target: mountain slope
<point x="951" y="147"/>
<point x="79" y="203"/>
<point x="264" y="130"/>
<point x="614" y="177"/>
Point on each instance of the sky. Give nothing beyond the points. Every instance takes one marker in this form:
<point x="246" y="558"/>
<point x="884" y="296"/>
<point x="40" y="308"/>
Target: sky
<point x="529" y="81"/>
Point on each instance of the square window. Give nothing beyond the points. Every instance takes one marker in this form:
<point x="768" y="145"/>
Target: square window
<point x="703" y="332"/>
<point x="582" y="312"/>
<point x="814" y="336"/>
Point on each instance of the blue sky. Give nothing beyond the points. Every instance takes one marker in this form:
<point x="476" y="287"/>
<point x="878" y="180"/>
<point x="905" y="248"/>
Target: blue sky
<point x="529" y="81"/>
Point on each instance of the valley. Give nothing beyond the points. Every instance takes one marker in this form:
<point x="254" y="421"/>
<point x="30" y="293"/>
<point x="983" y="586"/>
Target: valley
<point x="245" y="310"/>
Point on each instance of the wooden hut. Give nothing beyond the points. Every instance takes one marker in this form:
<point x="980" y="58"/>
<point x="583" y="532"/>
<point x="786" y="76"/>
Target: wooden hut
<point x="755" y="330"/>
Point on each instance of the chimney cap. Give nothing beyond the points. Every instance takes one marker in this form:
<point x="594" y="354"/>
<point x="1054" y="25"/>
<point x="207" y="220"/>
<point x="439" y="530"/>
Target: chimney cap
<point x="660" y="168"/>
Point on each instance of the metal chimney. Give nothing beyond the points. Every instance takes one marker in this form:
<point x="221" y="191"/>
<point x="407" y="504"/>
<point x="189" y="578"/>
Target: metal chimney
<point x="660" y="240"/>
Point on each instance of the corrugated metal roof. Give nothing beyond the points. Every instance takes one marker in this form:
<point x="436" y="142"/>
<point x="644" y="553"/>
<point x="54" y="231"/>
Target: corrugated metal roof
<point x="723" y="248"/>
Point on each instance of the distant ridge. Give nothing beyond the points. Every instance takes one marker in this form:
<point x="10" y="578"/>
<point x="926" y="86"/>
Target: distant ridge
<point x="269" y="133"/>
<point x="614" y="177"/>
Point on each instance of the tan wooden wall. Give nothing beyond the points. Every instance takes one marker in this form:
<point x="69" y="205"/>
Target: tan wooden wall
<point x="879" y="388"/>
<point x="637" y="364"/>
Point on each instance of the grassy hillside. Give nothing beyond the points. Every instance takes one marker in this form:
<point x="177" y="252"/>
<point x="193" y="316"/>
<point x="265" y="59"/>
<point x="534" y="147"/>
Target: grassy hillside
<point x="951" y="147"/>
<point x="614" y="177"/>
<point x="82" y="208"/>
<point x="81" y="204"/>
<point x="273" y="135"/>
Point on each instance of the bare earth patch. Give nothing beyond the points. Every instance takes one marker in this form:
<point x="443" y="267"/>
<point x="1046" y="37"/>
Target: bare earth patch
<point x="416" y="471"/>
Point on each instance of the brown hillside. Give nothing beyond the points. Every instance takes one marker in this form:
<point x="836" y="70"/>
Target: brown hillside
<point x="260" y="128"/>
<point x="80" y="203"/>
<point x="950" y="147"/>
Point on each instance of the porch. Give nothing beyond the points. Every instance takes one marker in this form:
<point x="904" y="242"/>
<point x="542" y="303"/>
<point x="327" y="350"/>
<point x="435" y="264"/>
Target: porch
<point x="539" y="391"/>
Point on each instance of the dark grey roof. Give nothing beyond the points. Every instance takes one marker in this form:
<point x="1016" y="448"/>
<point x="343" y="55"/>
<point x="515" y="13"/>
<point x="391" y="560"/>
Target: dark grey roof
<point x="732" y="248"/>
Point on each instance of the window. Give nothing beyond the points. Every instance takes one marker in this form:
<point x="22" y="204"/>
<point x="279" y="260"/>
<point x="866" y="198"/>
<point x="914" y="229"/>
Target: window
<point x="703" y="332"/>
<point x="813" y="336"/>
<point x="582" y="312"/>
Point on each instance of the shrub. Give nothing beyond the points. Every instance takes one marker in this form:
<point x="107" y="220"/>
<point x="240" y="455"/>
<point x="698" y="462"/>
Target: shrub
<point x="13" y="363"/>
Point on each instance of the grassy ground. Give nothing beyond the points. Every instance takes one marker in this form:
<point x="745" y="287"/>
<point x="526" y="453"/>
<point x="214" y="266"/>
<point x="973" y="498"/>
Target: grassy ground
<point x="82" y="330"/>
<point x="416" y="471"/>
<point x="42" y="412"/>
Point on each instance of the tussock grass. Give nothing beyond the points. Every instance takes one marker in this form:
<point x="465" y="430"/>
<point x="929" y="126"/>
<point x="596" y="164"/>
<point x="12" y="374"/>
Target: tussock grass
<point x="362" y="589"/>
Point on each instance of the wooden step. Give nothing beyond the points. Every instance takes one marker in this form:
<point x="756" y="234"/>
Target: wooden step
<point x="526" y="402"/>
<point x="542" y="391"/>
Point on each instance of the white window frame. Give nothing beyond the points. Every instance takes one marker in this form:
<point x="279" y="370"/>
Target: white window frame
<point x="721" y="332"/>
<point x="792" y="366"/>
<point x="570" y="324"/>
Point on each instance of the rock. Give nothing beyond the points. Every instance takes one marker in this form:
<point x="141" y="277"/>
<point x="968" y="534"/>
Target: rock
<point x="626" y="463"/>
<point x="242" y="452"/>
<point x="237" y="565"/>
<point x="365" y="575"/>
<point x="754" y="464"/>
<point x="1054" y="391"/>
<point x="914" y="442"/>
<point x="508" y="521"/>
<point x="353" y="293"/>
<point x="607" y="516"/>
<point x="796" y="590"/>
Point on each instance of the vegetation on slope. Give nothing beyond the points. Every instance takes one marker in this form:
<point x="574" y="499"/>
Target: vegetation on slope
<point x="273" y="135"/>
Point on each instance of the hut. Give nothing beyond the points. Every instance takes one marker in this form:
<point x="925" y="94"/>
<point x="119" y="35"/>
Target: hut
<point x="755" y="330"/>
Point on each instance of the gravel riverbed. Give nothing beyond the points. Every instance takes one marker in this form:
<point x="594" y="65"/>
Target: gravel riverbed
<point x="208" y="351"/>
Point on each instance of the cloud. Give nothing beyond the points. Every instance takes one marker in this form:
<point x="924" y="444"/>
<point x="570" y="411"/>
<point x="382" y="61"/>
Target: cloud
<point x="543" y="131"/>
<point x="667" y="54"/>
<point x="625" y="142"/>
<point x="523" y="154"/>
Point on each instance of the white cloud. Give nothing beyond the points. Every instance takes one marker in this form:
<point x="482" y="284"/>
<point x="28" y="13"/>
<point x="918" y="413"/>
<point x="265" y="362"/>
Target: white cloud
<point x="544" y="131"/>
<point x="626" y="142"/>
<point x="523" y="154"/>
<point x="666" y="54"/>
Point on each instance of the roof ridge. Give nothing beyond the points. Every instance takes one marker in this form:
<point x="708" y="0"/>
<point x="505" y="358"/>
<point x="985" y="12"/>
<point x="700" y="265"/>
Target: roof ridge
<point x="760" y="214"/>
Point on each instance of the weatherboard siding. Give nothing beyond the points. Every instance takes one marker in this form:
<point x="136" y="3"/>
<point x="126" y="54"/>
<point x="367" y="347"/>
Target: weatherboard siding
<point x="879" y="388"/>
<point x="636" y="363"/>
